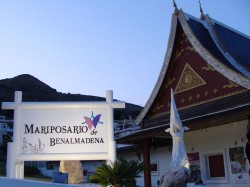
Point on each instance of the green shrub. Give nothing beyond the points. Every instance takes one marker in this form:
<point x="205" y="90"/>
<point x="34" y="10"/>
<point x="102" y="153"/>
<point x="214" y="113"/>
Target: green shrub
<point x="123" y="173"/>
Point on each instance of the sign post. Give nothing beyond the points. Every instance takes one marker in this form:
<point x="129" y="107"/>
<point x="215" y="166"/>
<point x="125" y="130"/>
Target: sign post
<point x="61" y="131"/>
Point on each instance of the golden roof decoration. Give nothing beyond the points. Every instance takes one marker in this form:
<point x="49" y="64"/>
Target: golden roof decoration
<point x="189" y="79"/>
<point x="176" y="10"/>
<point x="202" y="16"/>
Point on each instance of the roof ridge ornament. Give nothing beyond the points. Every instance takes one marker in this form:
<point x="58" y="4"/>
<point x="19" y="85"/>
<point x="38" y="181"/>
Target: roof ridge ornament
<point x="176" y="10"/>
<point x="202" y="16"/>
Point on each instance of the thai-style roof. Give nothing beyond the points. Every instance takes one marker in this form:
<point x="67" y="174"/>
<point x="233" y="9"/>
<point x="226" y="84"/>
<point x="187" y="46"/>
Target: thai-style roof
<point x="221" y="42"/>
<point x="207" y="64"/>
<point x="224" y="50"/>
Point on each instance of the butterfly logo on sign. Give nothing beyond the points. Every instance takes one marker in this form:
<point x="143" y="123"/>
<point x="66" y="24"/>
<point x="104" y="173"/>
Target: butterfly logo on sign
<point x="92" y="121"/>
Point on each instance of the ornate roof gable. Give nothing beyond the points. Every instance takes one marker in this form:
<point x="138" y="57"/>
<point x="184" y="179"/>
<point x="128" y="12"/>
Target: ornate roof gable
<point x="211" y="51"/>
<point x="232" y="44"/>
<point x="192" y="71"/>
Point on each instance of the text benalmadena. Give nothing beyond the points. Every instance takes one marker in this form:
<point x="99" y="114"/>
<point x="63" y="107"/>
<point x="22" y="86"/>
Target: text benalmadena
<point x="54" y="141"/>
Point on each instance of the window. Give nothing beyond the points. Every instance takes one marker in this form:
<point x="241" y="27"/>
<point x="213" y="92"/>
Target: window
<point x="214" y="168"/>
<point x="28" y="163"/>
<point x="154" y="168"/>
<point x="41" y="164"/>
<point x="49" y="165"/>
<point x="34" y="163"/>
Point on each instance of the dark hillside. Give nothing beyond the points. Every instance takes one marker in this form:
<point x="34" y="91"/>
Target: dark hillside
<point x="35" y="90"/>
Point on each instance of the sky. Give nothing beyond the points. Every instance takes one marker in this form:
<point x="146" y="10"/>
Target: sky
<point x="90" y="46"/>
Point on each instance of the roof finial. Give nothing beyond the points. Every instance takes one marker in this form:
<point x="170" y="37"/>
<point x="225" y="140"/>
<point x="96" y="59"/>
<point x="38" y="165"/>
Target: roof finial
<point x="202" y="16"/>
<point x="176" y="11"/>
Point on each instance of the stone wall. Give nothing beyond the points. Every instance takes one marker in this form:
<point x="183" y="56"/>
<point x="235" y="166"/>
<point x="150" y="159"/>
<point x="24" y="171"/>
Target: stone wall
<point x="74" y="170"/>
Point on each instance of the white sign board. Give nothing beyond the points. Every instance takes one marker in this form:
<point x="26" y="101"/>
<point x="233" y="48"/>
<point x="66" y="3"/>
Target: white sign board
<point x="63" y="131"/>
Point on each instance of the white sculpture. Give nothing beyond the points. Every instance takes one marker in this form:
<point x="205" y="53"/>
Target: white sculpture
<point x="178" y="173"/>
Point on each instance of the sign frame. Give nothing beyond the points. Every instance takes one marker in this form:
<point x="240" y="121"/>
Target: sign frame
<point x="15" y="158"/>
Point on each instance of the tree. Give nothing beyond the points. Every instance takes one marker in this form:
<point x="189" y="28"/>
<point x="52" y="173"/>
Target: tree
<point x="122" y="174"/>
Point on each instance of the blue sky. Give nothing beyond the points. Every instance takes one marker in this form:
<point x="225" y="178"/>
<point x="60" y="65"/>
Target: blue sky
<point x="90" y="46"/>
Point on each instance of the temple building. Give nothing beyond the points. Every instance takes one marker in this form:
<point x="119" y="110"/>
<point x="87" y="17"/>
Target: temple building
<point x="207" y="64"/>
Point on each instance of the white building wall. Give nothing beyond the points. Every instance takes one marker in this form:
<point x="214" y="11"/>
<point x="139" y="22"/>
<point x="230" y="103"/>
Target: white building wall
<point x="219" y="139"/>
<point x="161" y="156"/>
<point x="205" y="141"/>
